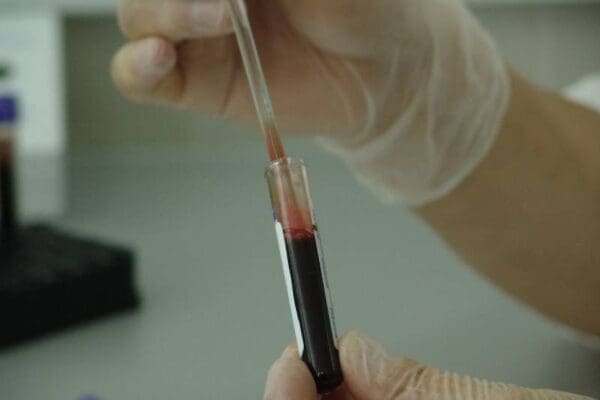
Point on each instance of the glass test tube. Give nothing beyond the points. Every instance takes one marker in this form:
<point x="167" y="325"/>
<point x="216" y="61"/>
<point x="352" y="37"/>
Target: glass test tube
<point x="304" y="271"/>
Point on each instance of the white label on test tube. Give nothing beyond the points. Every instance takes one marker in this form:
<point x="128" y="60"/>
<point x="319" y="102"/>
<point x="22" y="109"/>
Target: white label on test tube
<point x="290" y="289"/>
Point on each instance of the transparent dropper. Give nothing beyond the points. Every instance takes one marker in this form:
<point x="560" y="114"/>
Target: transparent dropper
<point x="256" y="78"/>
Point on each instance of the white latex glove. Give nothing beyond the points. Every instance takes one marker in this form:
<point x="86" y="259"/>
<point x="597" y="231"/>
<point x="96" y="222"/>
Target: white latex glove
<point x="454" y="91"/>
<point x="370" y="373"/>
<point x="411" y="93"/>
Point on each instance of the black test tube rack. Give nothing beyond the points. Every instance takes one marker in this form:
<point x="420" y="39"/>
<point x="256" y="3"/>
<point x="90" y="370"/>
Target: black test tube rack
<point x="50" y="279"/>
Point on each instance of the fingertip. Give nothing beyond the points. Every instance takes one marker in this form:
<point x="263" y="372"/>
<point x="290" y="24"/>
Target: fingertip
<point x="210" y="18"/>
<point x="351" y="342"/>
<point x="291" y="351"/>
<point x="162" y="54"/>
<point x="290" y="379"/>
<point x="149" y="59"/>
<point x="139" y="68"/>
<point x="363" y="360"/>
<point x="371" y="372"/>
<point x="176" y="20"/>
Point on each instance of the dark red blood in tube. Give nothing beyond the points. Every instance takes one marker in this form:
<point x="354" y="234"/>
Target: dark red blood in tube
<point x="312" y="307"/>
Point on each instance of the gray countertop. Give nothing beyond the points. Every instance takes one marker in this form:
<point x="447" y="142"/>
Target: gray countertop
<point x="215" y="313"/>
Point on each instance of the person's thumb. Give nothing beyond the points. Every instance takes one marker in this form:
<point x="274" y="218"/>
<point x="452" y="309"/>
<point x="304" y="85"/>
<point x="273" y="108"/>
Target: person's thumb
<point x="370" y="373"/>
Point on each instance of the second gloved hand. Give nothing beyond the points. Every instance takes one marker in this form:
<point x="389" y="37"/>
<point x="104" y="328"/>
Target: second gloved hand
<point x="410" y="93"/>
<point x="370" y="373"/>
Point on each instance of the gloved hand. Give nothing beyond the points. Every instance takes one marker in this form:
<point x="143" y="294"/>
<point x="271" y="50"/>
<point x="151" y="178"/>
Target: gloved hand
<point x="370" y="373"/>
<point x="411" y="93"/>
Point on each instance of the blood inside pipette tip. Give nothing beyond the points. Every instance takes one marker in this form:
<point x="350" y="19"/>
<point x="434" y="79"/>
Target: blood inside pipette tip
<point x="274" y="144"/>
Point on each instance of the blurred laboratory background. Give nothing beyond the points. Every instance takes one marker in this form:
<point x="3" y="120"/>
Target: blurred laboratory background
<point x="187" y="193"/>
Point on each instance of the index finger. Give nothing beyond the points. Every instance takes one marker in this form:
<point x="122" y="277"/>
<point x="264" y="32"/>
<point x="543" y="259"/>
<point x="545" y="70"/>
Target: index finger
<point x="174" y="19"/>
